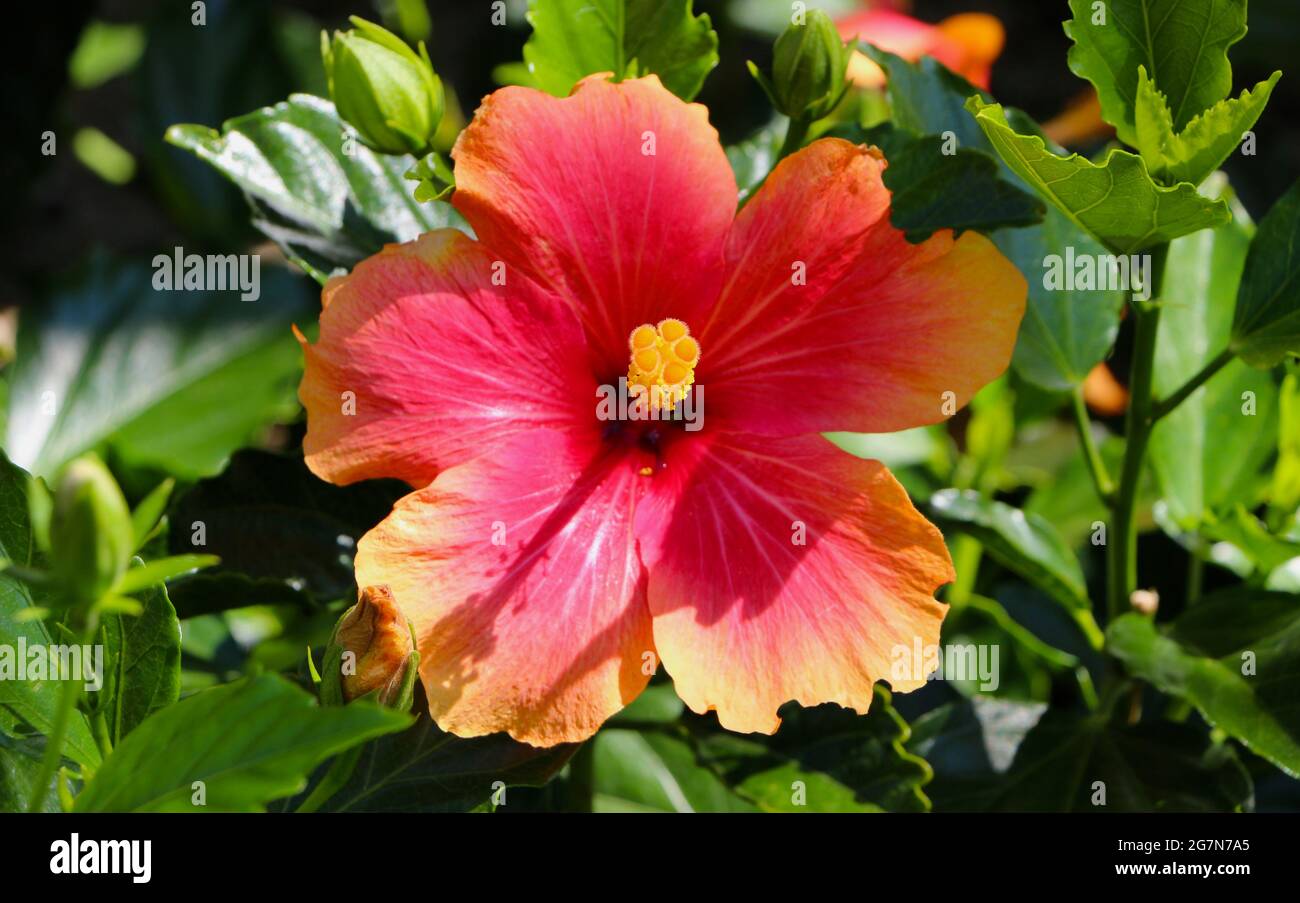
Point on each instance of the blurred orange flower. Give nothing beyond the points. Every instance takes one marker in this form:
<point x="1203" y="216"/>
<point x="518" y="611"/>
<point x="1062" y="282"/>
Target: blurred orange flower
<point x="967" y="43"/>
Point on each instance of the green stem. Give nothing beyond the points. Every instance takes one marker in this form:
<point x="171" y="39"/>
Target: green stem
<point x="68" y="694"/>
<point x="99" y="730"/>
<point x="1122" y="546"/>
<point x="1091" y="454"/>
<point x="1111" y="694"/>
<point x="966" y="555"/>
<point x="795" y="134"/>
<point x="1163" y="407"/>
<point x="335" y="779"/>
<point x="1088" y="627"/>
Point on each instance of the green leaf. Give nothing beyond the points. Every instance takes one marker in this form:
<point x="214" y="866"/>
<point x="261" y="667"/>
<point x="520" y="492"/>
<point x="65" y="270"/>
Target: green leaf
<point x="1284" y="494"/>
<point x="142" y="663"/>
<point x="752" y="159"/>
<point x="1066" y="331"/>
<point x="243" y="56"/>
<point x="994" y="756"/>
<point x="775" y="783"/>
<point x="112" y="361"/>
<point x="572" y="39"/>
<point x="1196" y="470"/>
<point x="1068" y="499"/>
<point x="1026" y="667"/>
<point x="434" y="177"/>
<point x="1157" y="766"/>
<point x="942" y="170"/>
<point x="770" y="17"/>
<point x="1236" y="657"/>
<point x="281" y="533"/>
<point x="1266" y="326"/>
<point x="842" y="761"/>
<point x="927" y="98"/>
<point x="656" y="771"/>
<point x="1200" y="148"/>
<point x="249" y="742"/>
<point x="327" y="208"/>
<point x="1028" y="545"/>
<point x="932" y="189"/>
<point x="658" y="704"/>
<point x="1265" y="552"/>
<point x="20" y="764"/>
<point x="906" y="448"/>
<point x="160" y="570"/>
<point x="104" y="51"/>
<point x="1182" y="43"/>
<point x="423" y="769"/>
<point x="31" y="701"/>
<point x="970" y="745"/>
<point x="145" y="516"/>
<point x="1116" y="201"/>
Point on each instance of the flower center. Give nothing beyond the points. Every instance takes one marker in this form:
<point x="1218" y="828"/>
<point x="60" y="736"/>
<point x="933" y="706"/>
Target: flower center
<point x="662" y="366"/>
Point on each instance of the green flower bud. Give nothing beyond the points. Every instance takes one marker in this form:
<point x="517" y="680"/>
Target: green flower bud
<point x="91" y="537"/>
<point x="372" y="652"/>
<point x="383" y="88"/>
<point x="808" y="65"/>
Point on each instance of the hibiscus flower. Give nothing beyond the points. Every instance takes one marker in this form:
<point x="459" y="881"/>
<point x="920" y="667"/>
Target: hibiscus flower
<point x="551" y="558"/>
<point x="967" y="43"/>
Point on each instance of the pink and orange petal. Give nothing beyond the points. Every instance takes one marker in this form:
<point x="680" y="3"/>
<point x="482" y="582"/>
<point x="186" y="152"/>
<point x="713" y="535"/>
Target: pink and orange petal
<point x="519" y="573"/>
<point x="786" y="570"/>
<point x="830" y="320"/>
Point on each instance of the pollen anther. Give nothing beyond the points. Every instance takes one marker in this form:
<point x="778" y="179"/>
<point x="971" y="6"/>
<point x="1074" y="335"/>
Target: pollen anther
<point x="663" y="362"/>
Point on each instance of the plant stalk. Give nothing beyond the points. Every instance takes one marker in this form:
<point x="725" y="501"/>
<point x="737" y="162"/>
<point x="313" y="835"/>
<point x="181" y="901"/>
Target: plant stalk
<point x="1091" y="454"/>
<point x="795" y="134"/>
<point x="1166" y="405"/>
<point x="1122" y="546"/>
<point x="69" y="693"/>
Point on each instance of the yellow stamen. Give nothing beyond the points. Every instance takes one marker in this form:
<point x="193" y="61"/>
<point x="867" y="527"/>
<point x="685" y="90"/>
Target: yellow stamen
<point x="671" y="330"/>
<point x="643" y="337"/>
<point x="687" y="350"/>
<point x="663" y="360"/>
<point x="648" y="360"/>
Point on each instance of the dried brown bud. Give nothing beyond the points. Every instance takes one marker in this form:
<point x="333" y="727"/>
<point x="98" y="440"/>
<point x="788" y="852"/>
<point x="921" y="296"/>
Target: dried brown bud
<point x="375" y="639"/>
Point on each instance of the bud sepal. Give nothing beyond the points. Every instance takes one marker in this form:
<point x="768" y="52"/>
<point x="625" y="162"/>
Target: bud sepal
<point x="384" y="89"/>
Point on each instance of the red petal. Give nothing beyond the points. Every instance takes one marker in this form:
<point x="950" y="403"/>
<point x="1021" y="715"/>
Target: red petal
<point x="440" y="363"/>
<point x="564" y="188"/>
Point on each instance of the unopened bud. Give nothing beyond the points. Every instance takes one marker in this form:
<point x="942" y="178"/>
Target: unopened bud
<point x="372" y="651"/>
<point x="387" y="91"/>
<point x="91" y="537"/>
<point x="808" y="65"/>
